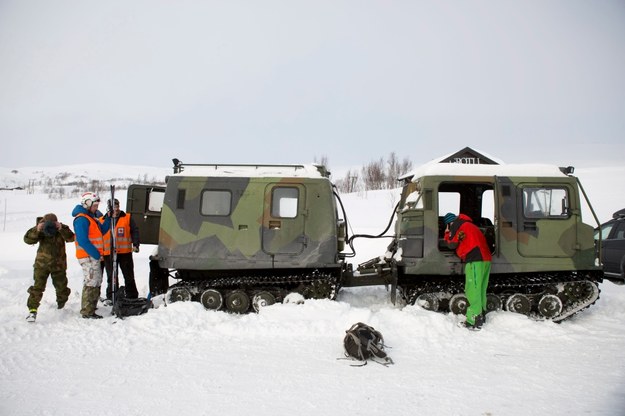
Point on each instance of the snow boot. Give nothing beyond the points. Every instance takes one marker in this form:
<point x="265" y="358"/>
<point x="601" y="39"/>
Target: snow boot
<point x="469" y="326"/>
<point x="92" y="316"/>
<point x="61" y="303"/>
<point x="32" y="316"/>
<point x="106" y="301"/>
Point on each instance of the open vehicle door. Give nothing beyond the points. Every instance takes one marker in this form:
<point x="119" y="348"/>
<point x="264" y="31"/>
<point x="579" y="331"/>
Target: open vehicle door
<point x="144" y="203"/>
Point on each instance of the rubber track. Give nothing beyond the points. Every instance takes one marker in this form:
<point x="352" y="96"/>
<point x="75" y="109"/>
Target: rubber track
<point x="247" y="283"/>
<point x="503" y="285"/>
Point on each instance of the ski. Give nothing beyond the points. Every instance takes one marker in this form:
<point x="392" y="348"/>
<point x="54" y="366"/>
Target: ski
<point x="114" y="277"/>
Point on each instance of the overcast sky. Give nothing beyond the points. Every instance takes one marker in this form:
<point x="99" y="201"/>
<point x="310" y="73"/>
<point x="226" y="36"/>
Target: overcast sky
<point x="141" y="82"/>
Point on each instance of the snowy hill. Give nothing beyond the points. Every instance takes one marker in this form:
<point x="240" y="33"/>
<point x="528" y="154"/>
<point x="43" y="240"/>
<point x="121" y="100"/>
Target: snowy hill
<point x="74" y="179"/>
<point x="182" y="359"/>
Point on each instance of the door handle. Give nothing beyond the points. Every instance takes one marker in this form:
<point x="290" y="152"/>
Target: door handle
<point x="529" y="225"/>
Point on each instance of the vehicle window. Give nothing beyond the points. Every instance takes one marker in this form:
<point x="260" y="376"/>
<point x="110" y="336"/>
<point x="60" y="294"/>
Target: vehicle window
<point x="155" y="200"/>
<point x="411" y="196"/>
<point x="620" y="232"/>
<point x="545" y="203"/>
<point x="284" y="202"/>
<point x="483" y="208"/>
<point x="448" y="202"/>
<point x="605" y="230"/>
<point x="488" y="204"/>
<point x="180" y="198"/>
<point x="216" y="203"/>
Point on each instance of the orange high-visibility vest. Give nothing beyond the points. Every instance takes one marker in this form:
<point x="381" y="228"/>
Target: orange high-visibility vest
<point x="107" y="240"/>
<point x="95" y="237"/>
<point x="123" y="239"/>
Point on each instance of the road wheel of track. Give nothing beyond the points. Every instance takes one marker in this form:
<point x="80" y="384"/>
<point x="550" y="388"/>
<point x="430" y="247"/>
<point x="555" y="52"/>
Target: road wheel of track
<point x="212" y="299"/>
<point x="319" y="289"/>
<point x="458" y="304"/>
<point x="550" y="306"/>
<point x="518" y="303"/>
<point x="588" y="288"/>
<point x="428" y="301"/>
<point x="237" y="301"/>
<point x="493" y="303"/>
<point x="573" y="290"/>
<point x="262" y="299"/>
<point x="578" y="290"/>
<point x="179" y="294"/>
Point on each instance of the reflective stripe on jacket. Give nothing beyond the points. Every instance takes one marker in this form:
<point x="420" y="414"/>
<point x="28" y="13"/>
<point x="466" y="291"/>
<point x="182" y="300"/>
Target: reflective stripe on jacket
<point x="95" y="237"/>
<point x="123" y="239"/>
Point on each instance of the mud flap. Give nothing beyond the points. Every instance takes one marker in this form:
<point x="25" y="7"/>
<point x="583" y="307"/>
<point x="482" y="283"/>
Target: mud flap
<point x="159" y="279"/>
<point x="393" y="282"/>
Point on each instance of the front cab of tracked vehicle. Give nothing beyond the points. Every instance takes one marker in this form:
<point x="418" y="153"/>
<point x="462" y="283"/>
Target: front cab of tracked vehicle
<point x="531" y="217"/>
<point x="240" y="226"/>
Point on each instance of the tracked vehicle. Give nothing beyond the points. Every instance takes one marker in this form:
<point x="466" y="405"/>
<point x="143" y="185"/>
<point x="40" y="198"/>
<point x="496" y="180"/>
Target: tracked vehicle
<point x="240" y="237"/>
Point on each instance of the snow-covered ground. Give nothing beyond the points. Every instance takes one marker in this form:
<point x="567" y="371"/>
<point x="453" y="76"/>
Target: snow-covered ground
<point x="182" y="359"/>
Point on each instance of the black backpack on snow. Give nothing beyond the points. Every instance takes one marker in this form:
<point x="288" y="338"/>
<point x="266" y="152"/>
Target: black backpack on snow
<point x="129" y="307"/>
<point x="362" y="342"/>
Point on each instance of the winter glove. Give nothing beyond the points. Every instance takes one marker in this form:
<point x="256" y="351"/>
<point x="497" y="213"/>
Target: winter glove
<point x="135" y="249"/>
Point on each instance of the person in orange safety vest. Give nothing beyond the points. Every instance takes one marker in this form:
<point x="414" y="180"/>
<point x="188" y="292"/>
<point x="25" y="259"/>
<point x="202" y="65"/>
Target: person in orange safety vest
<point x="126" y="242"/>
<point x="89" y="250"/>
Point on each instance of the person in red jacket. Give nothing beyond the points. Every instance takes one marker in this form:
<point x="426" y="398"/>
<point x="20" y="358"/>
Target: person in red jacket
<point x="471" y="246"/>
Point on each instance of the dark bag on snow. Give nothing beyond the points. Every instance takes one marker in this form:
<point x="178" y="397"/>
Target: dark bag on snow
<point x="363" y="342"/>
<point x="129" y="307"/>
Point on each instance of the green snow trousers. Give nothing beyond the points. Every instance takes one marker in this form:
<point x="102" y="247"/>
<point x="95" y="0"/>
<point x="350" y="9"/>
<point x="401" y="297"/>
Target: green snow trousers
<point x="59" y="280"/>
<point x="475" y="286"/>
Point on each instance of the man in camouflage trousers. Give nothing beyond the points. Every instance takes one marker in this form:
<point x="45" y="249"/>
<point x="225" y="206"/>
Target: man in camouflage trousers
<point x="51" y="260"/>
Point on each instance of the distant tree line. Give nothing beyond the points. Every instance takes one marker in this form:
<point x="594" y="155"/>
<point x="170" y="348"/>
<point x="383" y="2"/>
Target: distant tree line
<point x="377" y="174"/>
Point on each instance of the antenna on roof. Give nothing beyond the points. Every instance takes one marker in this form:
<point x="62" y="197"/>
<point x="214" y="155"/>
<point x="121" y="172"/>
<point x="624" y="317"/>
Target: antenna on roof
<point x="177" y="165"/>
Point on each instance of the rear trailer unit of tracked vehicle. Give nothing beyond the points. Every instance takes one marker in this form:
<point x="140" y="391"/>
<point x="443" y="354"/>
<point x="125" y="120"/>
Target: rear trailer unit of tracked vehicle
<point x="242" y="236"/>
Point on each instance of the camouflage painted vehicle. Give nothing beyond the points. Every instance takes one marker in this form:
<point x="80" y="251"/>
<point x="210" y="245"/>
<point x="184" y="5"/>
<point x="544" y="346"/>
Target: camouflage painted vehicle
<point x="543" y="254"/>
<point x="241" y="236"/>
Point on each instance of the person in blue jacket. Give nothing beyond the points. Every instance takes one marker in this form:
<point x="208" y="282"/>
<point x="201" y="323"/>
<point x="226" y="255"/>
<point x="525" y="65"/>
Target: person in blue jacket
<point x="89" y="248"/>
